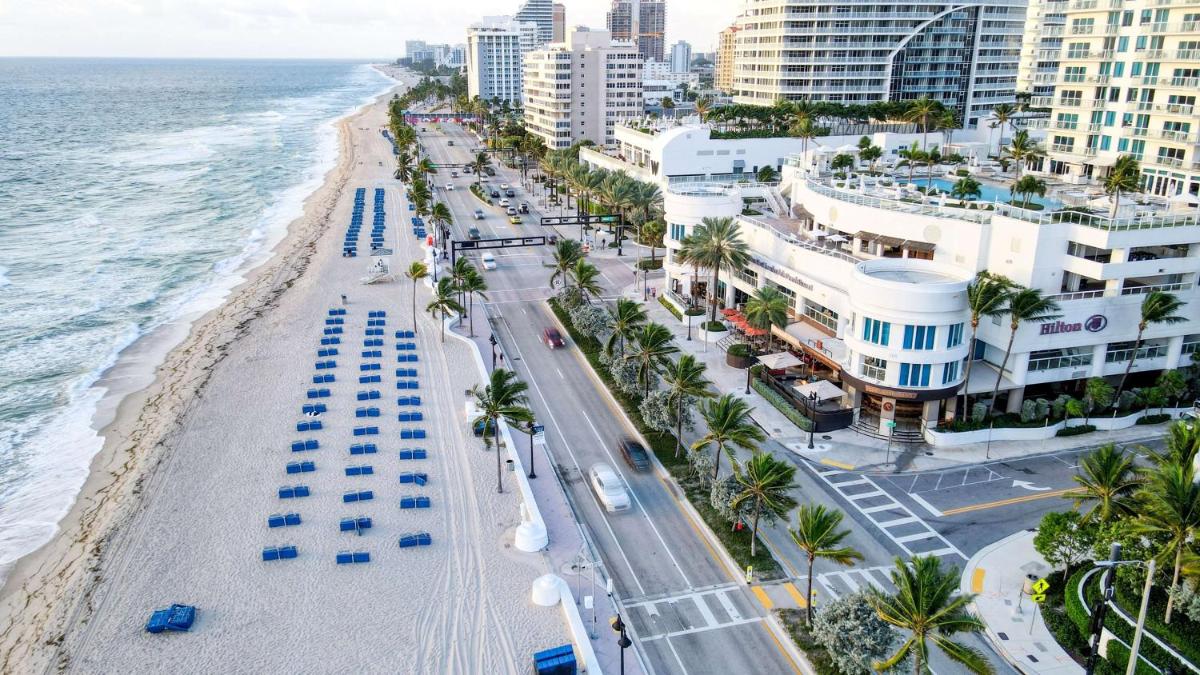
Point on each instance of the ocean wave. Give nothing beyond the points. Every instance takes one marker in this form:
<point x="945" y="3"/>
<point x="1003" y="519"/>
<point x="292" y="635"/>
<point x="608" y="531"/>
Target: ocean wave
<point x="4" y="280"/>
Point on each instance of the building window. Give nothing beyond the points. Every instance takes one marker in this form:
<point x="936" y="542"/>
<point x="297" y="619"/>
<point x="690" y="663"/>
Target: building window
<point x="678" y="232"/>
<point x="874" y="368"/>
<point x="919" y="337"/>
<point x="950" y="372"/>
<point x="821" y="314"/>
<point x="876" y="331"/>
<point x="955" y="335"/>
<point x="914" y="374"/>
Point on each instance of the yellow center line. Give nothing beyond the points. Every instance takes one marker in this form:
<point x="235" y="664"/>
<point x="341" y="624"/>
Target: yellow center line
<point x="1006" y="502"/>
<point x="796" y="594"/>
<point x="763" y="597"/>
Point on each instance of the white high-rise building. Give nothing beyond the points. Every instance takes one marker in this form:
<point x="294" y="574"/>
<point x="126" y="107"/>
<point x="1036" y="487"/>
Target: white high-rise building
<point x="496" y="47"/>
<point x="963" y="54"/>
<point x="1127" y="84"/>
<point x="1044" y="21"/>
<point x="579" y="89"/>
<point x="681" y="57"/>
<point x="541" y="13"/>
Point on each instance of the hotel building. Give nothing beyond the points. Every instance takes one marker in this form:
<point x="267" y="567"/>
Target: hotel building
<point x="644" y="22"/>
<point x="1038" y="72"/>
<point x="495" y="53"/>
<point x="964" y="55"/>
<point x="877" y="292"/>
<point x="581" y="88"/>
<point x="1127" y="84"/>
<point x="723" y="73"/>
<point x="541" y="14"/>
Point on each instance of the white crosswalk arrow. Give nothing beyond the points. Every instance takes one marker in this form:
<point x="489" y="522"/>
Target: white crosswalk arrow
<point x="1028" y="486"/>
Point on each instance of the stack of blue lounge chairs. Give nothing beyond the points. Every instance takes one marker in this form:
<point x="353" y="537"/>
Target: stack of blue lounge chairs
<point x="414" y="416"/>
<point x="410" y="539"/>
<point x="279" y="552"/>
<point x="301" y="467"/>
<point x="363" y="449"/>
<point x="379" y="224"/>
<point x="307" y="444"/>
<point x="355" y="524"/>
<point x="366" y="412"/>
<point x="369" y="379"/>
<point x="406" y="358"/>
<point x="368" y="395"/>
<point x="406" y="346"/>
<point x="411" y="434"/>
<point x="314" y="409"/>
<point x="413" y="453"/>
<point x="309" y="425"/>
<point x="358" y="496"/>
<point x="331" y="341"/>
<point x="405" y="334"/>
<point x="348" y="557"/>
<point x="363" y="470"/>
<point x="407" y="384"/>
<point x="409" y="400"/>
<point x="350" y="244"/>
<point x="406" y="372"/>
<point x="375" y="332"/>
<point x="318" y="393"/>
<point x="173" y="618"/>
<point x="324" y="378"/>
<point x="366" y="431"/>
<point x="414" y="502"/>
<point x="293" y="491"/>
<point x="418" y="226"/>
<point x="332" y="330"/>
<point x="283" y="519"/>
<point x="416" y="478"/>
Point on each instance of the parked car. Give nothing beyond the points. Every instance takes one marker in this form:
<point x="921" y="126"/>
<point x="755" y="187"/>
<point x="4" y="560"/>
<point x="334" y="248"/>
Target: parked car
<point x="490" y="171"/>
<point x="473" y="233"/>
<point x="505" y="203"/>
<point x="515" y="220"/>
<point x="495" y="194"/>
<point x="634" y="454"/>
<point x="478" y="214"/>
<point x="609" y="488"/>
<point x="511" y="211"/>
<point x="553" y="338"/>
<point x="524" y="207"/>
<point x="509" y="193"/>
<point x="488" y="260"/>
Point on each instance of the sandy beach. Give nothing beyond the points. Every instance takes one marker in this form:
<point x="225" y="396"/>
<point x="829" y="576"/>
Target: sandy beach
<point x="175" y="508"/>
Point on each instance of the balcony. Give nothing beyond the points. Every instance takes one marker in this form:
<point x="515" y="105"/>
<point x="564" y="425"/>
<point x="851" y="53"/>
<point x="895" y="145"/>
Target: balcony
<point x="1169" y="161"/>
<point x="1063" y="125"/>
<point x="1062" y="147"/>
<point x="1070" y="102"/>
<point x="1183" y="82"/>
<point x="1082" y="30"/>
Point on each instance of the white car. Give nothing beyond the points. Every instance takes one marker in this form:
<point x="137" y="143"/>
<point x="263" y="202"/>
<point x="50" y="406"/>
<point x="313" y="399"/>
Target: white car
<point x="505" y="203"/>
<point x="449" y="186"/>
<point x="609" y="488"/>
<point x="504" y="186"/>
<point x="488" y="260"/>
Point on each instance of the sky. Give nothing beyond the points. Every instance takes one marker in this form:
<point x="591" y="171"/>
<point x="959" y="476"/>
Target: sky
<point x="354" y="29"/>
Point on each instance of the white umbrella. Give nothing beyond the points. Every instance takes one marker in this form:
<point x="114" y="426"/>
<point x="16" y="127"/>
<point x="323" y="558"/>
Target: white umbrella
<point x="822" y="150"/>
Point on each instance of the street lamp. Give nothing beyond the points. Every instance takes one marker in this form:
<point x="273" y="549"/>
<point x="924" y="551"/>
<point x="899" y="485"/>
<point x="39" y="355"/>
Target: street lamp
<point x="623" y="642"/>
<point x="492" y="340"/>
<point x="812" y="416"/>
<point x="534" y="429"/>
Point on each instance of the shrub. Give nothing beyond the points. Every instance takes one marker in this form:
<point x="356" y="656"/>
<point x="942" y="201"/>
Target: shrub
<point x="1042" y="407"/>
<point x="740" y="350"/>
<point x="1127" y="399"/>
<point x="721" y="495"/>
<point x="1059" y="407"/>
<point x="695" y="311"/>
<point x="979" y="412"/>
<point x="781" y="404"/>
<point x="1117" y="656"/>
<point x="1076" y="431"/>
<point x="853" y="634"/>
<point x="591" y="320"/>
<point x="624" y="375"/>
<point x="1154" y="419"/>
<point x="1028" y="411"/>
<point x="648" y="264"/>
<point x="714" y="326"/>
<point x="962" y="173"/>
<point x="1063" y="539"/>
<point x="794" y="621"/>
<point x="662" y="300"/>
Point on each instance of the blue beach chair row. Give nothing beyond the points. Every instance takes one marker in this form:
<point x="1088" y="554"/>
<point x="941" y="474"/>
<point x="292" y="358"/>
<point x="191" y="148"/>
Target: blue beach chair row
<point x="406" y="372"/>
<point x="301" y="467"/>
<point x="405" y="334"/>
<point x="415" y="478"/>
<point x="324" y="378"/>
<point x="294" y="491"/>
<point x="358" y="496"/>
<point x="309" y="425"/>
<point x="410" y="539"/>
<point x="409" y="400"/>
<point x="363" y="470"/>
<point x="307" y="444"/>
<point x="410" y="434"/>
<point x="351" y="557"/>
<point x="279" y="553"/>
<point x="407" y="384"/>
<point x="370" y="379"/>
<point x="414" y="453"/>
<point x="283" y="519"/>
<point x="414" y="502"/>
<point x="354" y="524"/>
<point x="366" y="412"/>
<point x="364" y="449"/>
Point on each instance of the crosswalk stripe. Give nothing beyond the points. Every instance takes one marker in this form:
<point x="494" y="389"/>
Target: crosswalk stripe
<point x="865" y="495"/>
<point x="914" y="537"/>
<point x="709" y="619"/>
<point x="797" y="596"/>
<point x="899" y="521"/>
<point x="730" y="609"/>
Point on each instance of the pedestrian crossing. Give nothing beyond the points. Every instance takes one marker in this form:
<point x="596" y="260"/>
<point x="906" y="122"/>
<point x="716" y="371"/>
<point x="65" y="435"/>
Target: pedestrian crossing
<point x="893" y="519"/>
<point x="690" y="612"/>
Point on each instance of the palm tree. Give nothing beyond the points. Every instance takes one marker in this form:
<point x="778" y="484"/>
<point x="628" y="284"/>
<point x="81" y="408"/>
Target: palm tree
<point x="416" y="271"/>
<point x="767" y="174"/>
<point x="503" y="397"/>
<point x="1023" y="305"/>
<point x="1002" y="113"/>
<point x="458" y="273"/>
<point x="1021" y="149"/>
<point x="587" y="279"/>
<point x="1157" y="308"/>
<point x="912" y="155"/>
<point x="444" y="302"/>
<point x="652" y="236"/>
<point x="685" y="382"/>
<point x="480" y="164"/>
<point x="473" y="284"/>
<point x="1107" y="479"/>
<point x="425" y="166"/>
<point x="765" y="484"/>
<point x="817" y="534"/>
<point x="1124" y="176"/>
<point x="1169" y="507"/>
<point x="927" y="605"/>
<point x="947" y="121"/>
<point x="768" y="307"/>
<point x="923" y="111"/>
<point x="729" y="424"/>
<point x="722" y="247"/>
<point x="440" y="215"/>
<point x="703" y="107"/>
<point x="966" y="188"/>
<point x="404" y="167"/>
<point x="655" y="345"/>
<point x="566" y="253"/>
<point x="1027" y="186"/>
<point x="805" y="130"/>
<point x="688" y="254"/>
<point x="627" y="318"/>
<point x="871" y="154"/>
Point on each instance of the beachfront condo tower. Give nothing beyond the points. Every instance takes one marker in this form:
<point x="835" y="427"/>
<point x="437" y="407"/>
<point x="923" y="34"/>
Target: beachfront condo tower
<point x="723" y="73"/>
<point x="963" y="54"/>
<point x="541" y="13"/>
<point x="496" y="48"/>
<point x="1127" y="85"/>
<point x="642" y="21"/>
<point x="1044" y="21"/>
<point x="560" y="22"/>
<point x="579" y="89"/>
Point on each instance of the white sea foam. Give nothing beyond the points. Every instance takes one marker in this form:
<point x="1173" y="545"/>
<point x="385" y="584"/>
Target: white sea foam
<point x="4" y="280"/>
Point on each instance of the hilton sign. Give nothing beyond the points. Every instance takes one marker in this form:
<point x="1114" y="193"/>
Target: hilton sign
<point x="1094" y="324"/>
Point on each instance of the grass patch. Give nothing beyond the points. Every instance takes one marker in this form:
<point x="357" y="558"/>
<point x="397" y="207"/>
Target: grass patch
<point x="818" y="656"/>
<point x="662" y="300"/>
<point x="1031" y="206"/>
<point x="737" y="543"/>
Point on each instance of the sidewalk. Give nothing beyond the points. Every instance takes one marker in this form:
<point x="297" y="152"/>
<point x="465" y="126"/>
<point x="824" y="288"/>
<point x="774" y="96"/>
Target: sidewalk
<point x="850" y="450"/>
<point x="997" y="574"/>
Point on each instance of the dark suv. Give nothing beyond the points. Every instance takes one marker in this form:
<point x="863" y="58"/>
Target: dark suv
<point x="635" y="455"/>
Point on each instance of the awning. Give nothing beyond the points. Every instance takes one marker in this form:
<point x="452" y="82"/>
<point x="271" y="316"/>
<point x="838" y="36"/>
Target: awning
<point x="824" y="389"/>
<point x="779" y="361"/>
<point x="865" y="236"/>
<point x="754" y="332"/>
<point x="889" y="241"/>
<point x="918" y="246"/>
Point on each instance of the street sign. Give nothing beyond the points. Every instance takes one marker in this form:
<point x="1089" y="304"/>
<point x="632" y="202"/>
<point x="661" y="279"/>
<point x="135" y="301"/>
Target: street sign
<point x="1039" y="590"/>
<point x="539" y="433"/>
<point x="891" y="424"/>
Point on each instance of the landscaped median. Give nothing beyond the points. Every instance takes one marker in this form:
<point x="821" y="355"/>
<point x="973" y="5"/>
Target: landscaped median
<point x="735" y="541"/>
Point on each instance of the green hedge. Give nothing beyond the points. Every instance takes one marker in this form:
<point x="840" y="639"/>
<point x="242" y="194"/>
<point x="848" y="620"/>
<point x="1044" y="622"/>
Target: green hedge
<point x="1076" y="431"/>
<point x="662" y="300"/>
<point x="740" y="350"/>
<point x="780" y="403"/>
<point x="648" y="264"/>
<point x="1119" y="627"/>
<point x="715" y="326"/>
<point x="1182" y="633"/>
<point x="1154" y="419"/>
<point x="794" y="622"/>
<point x="736" y="542"/>
<point x="1117" y="658"/>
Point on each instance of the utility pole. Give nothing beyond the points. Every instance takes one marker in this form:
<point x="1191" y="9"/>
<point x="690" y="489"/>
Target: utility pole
<point x="1101" y="608"/>
<point x="1141" y="622"/>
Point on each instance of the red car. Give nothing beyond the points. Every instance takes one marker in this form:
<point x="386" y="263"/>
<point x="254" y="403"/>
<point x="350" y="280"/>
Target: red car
<point x="553" y="338"/>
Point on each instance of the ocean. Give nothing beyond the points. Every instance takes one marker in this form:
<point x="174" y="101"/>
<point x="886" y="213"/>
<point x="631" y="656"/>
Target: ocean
<point x="133" y="194"/>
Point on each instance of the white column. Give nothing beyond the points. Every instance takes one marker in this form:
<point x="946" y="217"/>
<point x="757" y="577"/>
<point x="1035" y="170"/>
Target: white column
<point x="1098" y="360"/>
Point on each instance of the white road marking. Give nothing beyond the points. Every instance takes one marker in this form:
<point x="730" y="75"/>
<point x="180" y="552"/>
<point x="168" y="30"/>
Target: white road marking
<point x="703" y="629"/>
<point x="560" y="374"/>
<point x="709" y="619"/>
<point x="915" y="537"/>
<point x="677" y="659"/>
<point x="925" y="505"/>
<point x="730" y="609"/>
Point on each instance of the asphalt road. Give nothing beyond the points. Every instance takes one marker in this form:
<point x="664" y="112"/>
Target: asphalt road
<point x="689" y="612"/>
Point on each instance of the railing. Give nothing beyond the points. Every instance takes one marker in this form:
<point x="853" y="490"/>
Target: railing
<point x="794" y="241"/>
<point x="1169" y="108"/>
<point x="1169" y="161"/>
<point x="1100" y="222"/>
<point x="1146" y="352"/>
<point x="1151" y="288"/>
<point x="1063" y="125"/>
<point x="1055" y="362"/>
<point x="1190" y="348"/>
<point x="897" y="205"/>
<point x="1080" y="295"/>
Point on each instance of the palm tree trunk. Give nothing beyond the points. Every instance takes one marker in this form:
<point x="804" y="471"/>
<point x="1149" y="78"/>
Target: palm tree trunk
<point x="472" y="314"/>
<point x="917" y="669"/>
<point x="1174" y="583"/>
<point x="712" y="294"/>
<point x="499" y="473"/>
<point x="754" y="528"/>
<point x="1116" y="203"/>
<point x="1137" y="344"/>
<point x="808" y="597"/>
<point x="717" y="462"/>
<point x="1000" y="373"/>
<point x="443" y="327"/>
<point x="679" y="427"/>
<point x="414" y="305"/>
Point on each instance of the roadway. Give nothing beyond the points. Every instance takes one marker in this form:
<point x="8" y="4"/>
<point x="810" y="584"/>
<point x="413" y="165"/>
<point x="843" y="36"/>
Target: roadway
<point x="689" y="611"/>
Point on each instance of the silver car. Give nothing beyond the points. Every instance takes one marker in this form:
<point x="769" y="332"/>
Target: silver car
<point x="609" y="488"/>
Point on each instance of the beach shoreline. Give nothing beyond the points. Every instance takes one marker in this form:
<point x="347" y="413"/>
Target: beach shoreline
<point x="50" y="587"/>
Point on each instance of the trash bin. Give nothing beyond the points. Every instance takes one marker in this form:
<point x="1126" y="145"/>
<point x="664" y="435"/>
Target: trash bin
<point x="511" y="466"/>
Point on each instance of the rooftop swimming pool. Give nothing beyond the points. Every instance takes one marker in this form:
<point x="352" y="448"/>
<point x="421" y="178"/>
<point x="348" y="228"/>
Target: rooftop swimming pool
<point x="991" y="193"/>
